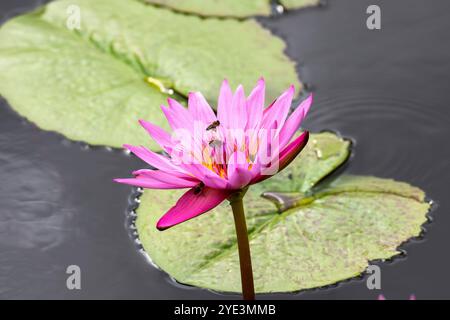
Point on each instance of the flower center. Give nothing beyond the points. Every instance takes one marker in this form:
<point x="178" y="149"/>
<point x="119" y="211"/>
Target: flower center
<point x="218" y="146"/>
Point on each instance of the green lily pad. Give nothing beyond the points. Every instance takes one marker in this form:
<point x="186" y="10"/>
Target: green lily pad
<point x="93" y="84"/>
<point x="296" y="4"/>
<point x="218" y="8"/>
<point x="301" y="239"/>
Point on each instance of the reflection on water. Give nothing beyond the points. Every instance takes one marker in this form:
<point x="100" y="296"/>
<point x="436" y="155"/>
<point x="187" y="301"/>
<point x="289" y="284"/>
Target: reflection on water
<point x="396" y="137"/>
<point x="31" y="214"/>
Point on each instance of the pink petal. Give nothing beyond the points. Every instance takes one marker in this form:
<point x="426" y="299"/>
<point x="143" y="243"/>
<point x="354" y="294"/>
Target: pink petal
<point x="208" y="177"/>
<point x="192" y="204"/>
<point x="180" y="110"/>
<point x="238" y="174"/>
<point x="255" y="171"/>
<point x="269" y="144"/>
<point x="287" y="155"/>
<point x="160" y="136"/>
<point x="200" y="109"/>
<point x="238" y="109"/>
<point x="176" y="119"/>
<point x="154" y="159"/>
<point x="293" y="123"/>
<point x="224" y="104"/>
<point x="255" y="104"/>
<point x="177" y="115"/>
<point x="148" y="183"/>
<point x="176" y="179"/>
<point x="279" y="110"/>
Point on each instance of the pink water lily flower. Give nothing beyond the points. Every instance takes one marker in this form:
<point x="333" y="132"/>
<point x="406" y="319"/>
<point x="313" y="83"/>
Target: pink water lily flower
<point x="217" y="155"/>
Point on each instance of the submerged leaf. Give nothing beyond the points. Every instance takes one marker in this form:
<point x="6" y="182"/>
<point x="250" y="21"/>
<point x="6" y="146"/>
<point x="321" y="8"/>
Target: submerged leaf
<point x="317" y="240"/>
<point x="95" y="82"/>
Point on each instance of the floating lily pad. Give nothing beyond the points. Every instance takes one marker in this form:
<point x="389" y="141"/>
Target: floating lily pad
<point x="301" y="239"/>
<point x="92" y="84"/>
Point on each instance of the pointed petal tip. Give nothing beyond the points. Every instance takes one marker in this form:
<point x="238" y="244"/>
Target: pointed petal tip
<point x="225" y="85"/>
<point x="303" y="138"/>
<point x="292" y="89"/>
<point x="293" y="149"/>
<point x="137" y="172"/>
<point x="170" y="101"/>
<point x="173" y="103"/>
<point x="195" y="94"/>
<point x="289" y="94"/>
<point x="161" y="226"/>
<point x="306" y="134"/>
<point x="306" y="104"/>
<point x="167" y="112"/>
<point x="145" y="123"/>
<point x="260" y="84"/>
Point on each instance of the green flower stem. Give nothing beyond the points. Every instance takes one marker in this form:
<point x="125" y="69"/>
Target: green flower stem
<point x="245" y="261"/>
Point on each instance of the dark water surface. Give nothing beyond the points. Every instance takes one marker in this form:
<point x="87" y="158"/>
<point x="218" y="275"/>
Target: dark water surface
<point x="388" y="89"/>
